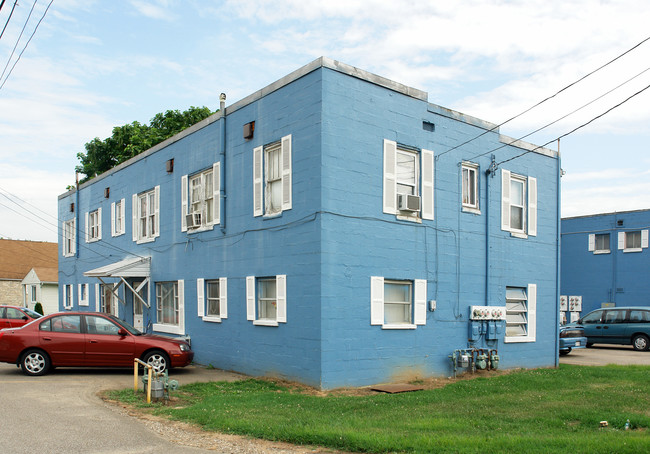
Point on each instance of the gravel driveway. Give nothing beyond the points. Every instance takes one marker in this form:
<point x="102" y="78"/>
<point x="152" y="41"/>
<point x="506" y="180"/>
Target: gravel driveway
<point x="604" y="354"/>
<point x="61" y="412"/>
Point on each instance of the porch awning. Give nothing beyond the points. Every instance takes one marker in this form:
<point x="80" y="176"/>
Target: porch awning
<point x="134" y="267"/>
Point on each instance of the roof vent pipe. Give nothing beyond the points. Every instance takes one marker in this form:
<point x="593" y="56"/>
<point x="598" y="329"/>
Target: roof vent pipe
<point x="222" y="103"/>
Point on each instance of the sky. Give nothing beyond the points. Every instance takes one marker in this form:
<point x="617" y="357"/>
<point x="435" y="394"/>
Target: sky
<point x="74" y="69"/>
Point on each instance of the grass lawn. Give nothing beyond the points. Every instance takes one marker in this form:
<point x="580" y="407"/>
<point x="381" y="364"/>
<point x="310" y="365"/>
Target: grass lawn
<point x="536" y="411"/>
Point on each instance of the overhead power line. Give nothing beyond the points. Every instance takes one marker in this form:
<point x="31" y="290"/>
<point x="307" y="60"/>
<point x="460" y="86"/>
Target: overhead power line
<point x="9" y="18"/>
<point x="26" y="44"/>
<point x="562" y="117"/>
<point x="577" y="128"/>
<point x="547" y="98"/>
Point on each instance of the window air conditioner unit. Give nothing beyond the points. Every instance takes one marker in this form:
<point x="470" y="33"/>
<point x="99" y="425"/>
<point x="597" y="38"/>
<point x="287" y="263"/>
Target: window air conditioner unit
<point x="193" y="220"/>
<point x="407" y="202"/>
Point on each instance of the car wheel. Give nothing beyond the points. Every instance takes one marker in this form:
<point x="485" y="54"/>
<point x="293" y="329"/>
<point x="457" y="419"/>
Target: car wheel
<point x="640" y="342"/>
<point x="590" y="344"/>
<point x="565" y="352"/>
<point x="35" y="362"/>
<point x="158" y="360"/>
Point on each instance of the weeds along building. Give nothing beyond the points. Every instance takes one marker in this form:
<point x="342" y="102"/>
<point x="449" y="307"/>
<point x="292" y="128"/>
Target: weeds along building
<point x="605" y="261"/>
<point x="325" y="229"/>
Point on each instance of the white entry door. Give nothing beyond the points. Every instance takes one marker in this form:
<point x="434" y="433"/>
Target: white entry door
<point x="138" y="318"/>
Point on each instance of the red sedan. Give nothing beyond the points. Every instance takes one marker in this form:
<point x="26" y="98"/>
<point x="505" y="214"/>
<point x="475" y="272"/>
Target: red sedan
<point x="15" y="316"/>
<point x="88" y="339"/>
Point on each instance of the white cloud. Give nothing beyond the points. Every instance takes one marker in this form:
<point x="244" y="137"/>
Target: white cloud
<point x="157" y="9"/>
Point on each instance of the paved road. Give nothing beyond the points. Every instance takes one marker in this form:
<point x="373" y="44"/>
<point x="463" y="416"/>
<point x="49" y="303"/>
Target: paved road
<point x="603" y="354"/>
<point x="61" y="412"/>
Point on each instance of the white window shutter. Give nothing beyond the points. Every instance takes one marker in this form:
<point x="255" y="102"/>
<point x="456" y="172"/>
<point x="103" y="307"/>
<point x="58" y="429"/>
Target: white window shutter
<point x="74" y="237"/>
<point x="223" y="297"/>
<point x="644" y="238"/>
<point x="621" y="240"/>
<point x="113" y="232"/>
<point x="181" y="306"/>
<point x="216" y="193"/>
<point x="80" y="301"/>
<point x="420" y="302"/>
<point x="376" y="300"/>
<point x="157" y="210"/>
<point x="505" y="200"/>
<point x="98" y="300"/>
<point x="134" y="217"/>
<point x="532" y="311"/>
<point x="281" y="297"/>
<point x="99" y="223"/>
<point x="390" y="177"/>
<point x="200" y="297"/>
<point x="258" y="183"/>
<point x="122" y="214"/>
<point x="532" y="206"/>
<point x="250" y="297"/>
<point x="427" y="184"/>
<point x="184" y="198"/>
<point x="87" y="230"/>
<point x="286" y="172"/>
<point x="592" y="242"/>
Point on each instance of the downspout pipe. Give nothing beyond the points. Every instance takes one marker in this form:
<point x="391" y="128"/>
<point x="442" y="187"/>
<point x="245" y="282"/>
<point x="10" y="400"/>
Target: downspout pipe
<point x="77" y="229"/>
<point x="224" y="171"/>
<point x="559" y="255"/>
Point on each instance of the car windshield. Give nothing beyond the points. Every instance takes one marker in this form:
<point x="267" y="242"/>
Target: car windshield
<point x="31" y="313"/>
<point x="126" y="326"/>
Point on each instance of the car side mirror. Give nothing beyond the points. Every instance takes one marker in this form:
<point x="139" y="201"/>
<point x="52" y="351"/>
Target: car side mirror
<point x="122" y="332"/>
<point x="25" y="317"/>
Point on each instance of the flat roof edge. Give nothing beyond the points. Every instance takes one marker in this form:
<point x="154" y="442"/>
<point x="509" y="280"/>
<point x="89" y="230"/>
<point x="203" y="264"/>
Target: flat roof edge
<point x="528" y="146"/>
<point x="611" y="213"/>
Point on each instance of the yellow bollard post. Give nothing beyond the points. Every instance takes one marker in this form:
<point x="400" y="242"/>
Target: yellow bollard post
<point x="135" y="376"/>
<point x="149" y="387"/>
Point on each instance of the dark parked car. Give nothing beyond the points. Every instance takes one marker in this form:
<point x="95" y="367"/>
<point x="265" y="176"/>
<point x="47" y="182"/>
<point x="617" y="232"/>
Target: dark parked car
<point x="87" y="339"/>
<point x="16" y="316"/>
<point x="571" y="336"/>
<point x="618" y="325"/>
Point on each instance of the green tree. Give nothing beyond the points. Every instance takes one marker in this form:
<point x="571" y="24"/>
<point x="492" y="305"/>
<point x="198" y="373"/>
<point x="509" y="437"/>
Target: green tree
<point x="134" y="138"/>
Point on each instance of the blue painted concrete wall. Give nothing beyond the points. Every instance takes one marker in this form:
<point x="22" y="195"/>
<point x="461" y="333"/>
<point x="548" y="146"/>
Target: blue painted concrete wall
<point x="617" y="277"/>
<point x="336" y="236"/>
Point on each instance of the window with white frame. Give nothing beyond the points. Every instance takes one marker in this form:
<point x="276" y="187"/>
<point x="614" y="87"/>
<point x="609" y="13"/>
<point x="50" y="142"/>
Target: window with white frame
<point x="170" y="307"/>
<point x="117" y="217"/>
<point x="518" y="204"/>
<point x="33" y="294"/>
<point x="272" y="178"/>
<point x="200" y="204"/>
<point x="107" y="302"/>
<point x="69" y="238"/>
<point x="212" y="299"/>
<point x="398" y="304"/>
<point x="599" y="243"/>
<point x="67" y="296"/>
<point x="408" y="181"/>
<point x="633" y="241"/>
<point x="470" y="186"/>
<point x="146" y="216"/>
<point x="521" y="309"/>
<point x="266" y="300"/>
<point x="82" y="292"/>
<point x="94" y="225"/>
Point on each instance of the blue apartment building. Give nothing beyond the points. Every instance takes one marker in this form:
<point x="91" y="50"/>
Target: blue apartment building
<point x="606" y="260"/>
<point x="333" y="228"/>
